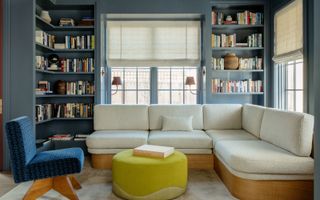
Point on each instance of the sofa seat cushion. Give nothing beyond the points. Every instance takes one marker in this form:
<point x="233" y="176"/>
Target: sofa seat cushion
<point x="256" y="156"/>
<point x="195" y="139"/>
<point x="218" y="135"/>
<point x="117" y="139"/>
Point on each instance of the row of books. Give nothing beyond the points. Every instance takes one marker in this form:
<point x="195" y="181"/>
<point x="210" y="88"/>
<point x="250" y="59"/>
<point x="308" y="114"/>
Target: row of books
<point x="80" y="88"/>
<point x="67" y="110"/>
<point x="240" y="86"/>
<point x="246" y="17"/>
<point x="80" y="42"/>
<point x="66" y="64"/>
<point x="244" y="63"/>
<point x="45" y="38"/>
<point x="250" y="18"/>
<point x="77" y="65"/>
<point x="224" y="40"/>
<point x="255" y="40"/>
<point x="68" y="137"/>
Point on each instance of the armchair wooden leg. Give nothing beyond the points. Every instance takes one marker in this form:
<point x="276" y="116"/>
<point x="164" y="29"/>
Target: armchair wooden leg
<point x="38" y="188"/>
<point x="75" y="183"/>
<point x="63" y="185"/>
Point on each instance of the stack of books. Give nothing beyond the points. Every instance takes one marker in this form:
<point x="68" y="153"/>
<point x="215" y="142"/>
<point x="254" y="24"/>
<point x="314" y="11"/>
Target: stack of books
<point x="80" y="137"/>
<point x="217" y="18"/>
<point x="153" y="151"/>
<point x="43" y="88"/>
<point x="42" y="62"/>
<point x="61" y="137"/>
<point x="241" y="86"/>
<point x="66" y="22"/>
<point x="86" y="21"/>
<point x="72" y="110"/>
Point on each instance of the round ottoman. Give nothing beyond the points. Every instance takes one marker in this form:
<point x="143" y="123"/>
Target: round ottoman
<point x="149" y="178"/>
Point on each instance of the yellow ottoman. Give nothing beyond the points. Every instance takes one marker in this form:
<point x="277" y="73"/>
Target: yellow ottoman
<point x="149" y="178"/>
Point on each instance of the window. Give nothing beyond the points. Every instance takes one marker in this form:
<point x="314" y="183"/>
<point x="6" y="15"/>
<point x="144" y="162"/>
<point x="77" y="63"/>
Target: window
<point x="172" y="88"/>
<point x="288" y="57"/>
<point x="291" y="86"/>
<point x="135" y="86"/>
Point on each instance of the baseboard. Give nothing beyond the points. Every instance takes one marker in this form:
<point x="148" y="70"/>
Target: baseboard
<point x="195" y="161"/>
<point x="246" y="189"/>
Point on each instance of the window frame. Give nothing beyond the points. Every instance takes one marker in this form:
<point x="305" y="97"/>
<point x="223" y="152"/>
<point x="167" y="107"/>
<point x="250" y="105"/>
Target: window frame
<point x="153" y="87"/>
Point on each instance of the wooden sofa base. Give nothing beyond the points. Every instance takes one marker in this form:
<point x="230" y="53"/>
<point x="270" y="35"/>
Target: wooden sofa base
<point x="246" y="189"/>
<point x="195" y="161"/>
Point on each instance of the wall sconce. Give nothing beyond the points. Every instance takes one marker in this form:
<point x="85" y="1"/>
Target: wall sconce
<point x="116" y="81"/>
<point x="190" y="81"/>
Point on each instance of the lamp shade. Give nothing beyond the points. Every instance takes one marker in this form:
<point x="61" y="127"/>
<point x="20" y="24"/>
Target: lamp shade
<point x="116" y="80"/>
<point x="190" y="80"/>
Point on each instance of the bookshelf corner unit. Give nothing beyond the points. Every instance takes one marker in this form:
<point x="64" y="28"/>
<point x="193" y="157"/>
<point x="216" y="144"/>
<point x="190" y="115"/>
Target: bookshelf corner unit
<point x="64" y="72"/>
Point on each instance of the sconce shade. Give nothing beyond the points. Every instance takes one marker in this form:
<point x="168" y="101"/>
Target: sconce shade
<point x="116" y="80"/>
<point x="190" y="80"/>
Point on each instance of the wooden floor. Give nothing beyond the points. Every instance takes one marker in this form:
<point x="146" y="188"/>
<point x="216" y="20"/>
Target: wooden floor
<point x="6" y="183"/>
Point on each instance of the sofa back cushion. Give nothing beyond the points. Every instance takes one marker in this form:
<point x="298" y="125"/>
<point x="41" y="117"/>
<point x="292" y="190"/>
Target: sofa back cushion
<point x="121" y="117"/>
<point x="252" y="118"/>
<point x="222" y="116"/>
<point x="156" y="112"/>
<point x="289" y="130"/>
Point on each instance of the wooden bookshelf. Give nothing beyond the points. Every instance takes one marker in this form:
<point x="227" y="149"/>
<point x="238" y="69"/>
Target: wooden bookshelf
<point x="54" y="125"/>
<point x="242" y="32"/>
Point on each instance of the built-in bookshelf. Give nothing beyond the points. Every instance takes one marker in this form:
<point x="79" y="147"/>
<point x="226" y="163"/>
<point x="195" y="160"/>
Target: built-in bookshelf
<point x="65" y="74"/>
<point x="238" y="28"/>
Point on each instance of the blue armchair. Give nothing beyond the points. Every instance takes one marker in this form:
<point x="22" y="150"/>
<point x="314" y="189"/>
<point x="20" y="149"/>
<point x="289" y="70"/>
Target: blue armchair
<point x="48" y="169"/>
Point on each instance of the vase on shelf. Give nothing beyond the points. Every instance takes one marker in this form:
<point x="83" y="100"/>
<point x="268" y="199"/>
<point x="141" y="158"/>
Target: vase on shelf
<point x="45" y="16"/>
<point x="231" y="61"/>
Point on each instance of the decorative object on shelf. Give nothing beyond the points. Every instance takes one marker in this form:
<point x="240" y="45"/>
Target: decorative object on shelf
<point x="60" y="87"/>
<point x="189" y="82"/>
<point x="229" y="20"/>
<point x="53" y="62"/>
<point x="45" y="16"/>
<point x="231" y="61"/>
<point x="116" y="81"/>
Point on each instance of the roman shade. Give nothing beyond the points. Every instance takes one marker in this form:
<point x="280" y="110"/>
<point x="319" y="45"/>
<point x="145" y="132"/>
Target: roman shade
<point x="289" y="33"/>
<point x="153" y="43"/>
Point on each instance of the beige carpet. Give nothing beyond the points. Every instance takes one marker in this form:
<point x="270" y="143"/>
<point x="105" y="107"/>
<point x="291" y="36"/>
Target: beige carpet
<point x="96" y="185"/>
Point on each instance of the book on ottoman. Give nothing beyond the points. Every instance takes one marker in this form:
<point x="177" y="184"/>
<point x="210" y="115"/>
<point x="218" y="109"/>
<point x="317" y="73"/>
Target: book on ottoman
<point x="153" y="151"/>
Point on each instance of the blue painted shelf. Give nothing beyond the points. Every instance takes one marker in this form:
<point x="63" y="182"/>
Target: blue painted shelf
<point x="42" y="47"/>
<point x="49" y="27"/>
<point x="237" y="48"/>
<point x="236" y="26"/>
<point x="63" y="73"/>
<point x="63" y="96"/>
<point x="64" y="119"/>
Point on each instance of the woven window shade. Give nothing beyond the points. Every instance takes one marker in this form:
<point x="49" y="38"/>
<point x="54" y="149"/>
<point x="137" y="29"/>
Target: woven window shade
<point x="153" y="43"/>
<point x="289" y="33"/>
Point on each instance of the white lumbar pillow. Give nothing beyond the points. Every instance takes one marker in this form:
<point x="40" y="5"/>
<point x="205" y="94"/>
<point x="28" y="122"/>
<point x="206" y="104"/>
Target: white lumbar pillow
<point x="177" y="123"/>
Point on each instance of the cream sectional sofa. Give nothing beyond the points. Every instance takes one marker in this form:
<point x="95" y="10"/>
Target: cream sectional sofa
<point x="259" y="153"/>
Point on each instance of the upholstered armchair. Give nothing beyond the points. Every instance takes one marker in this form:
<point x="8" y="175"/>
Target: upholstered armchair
<point x="48" y="169"/>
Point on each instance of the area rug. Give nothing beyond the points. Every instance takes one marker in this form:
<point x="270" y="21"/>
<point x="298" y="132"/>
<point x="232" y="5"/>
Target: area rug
<point x="96" y="185"/>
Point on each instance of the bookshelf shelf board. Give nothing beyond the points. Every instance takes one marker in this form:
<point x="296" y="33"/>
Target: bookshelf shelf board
<point x="64" y="119"/>
<point x="49" y="49"/>
<point x="237" y="26"/>
<point x="239" y="71"/>
<point x="237" y="48"/>
<point x="64" y="73"/>
<point x="51" y="27"/>
<point x="63" y="96"/>
<point x="238" y="93"/>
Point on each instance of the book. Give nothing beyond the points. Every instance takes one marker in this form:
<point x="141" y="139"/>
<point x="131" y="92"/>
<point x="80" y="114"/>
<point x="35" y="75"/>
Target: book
<point x="153" y="151"/>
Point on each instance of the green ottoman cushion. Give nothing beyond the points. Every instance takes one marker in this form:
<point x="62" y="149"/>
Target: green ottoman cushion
<point x="149" y="178"/>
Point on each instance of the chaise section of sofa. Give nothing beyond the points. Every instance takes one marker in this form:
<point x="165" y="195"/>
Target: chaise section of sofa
<point x="277" y="165"/>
